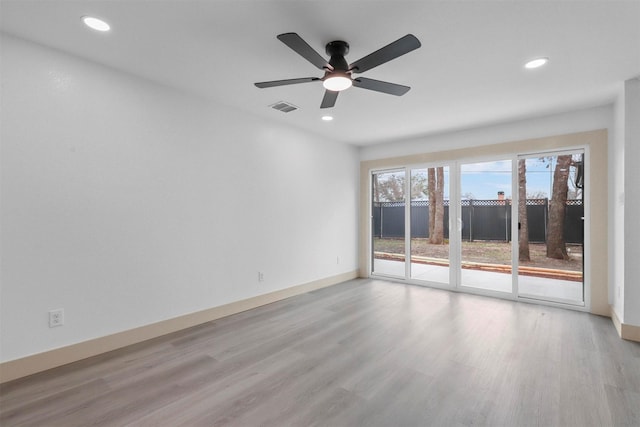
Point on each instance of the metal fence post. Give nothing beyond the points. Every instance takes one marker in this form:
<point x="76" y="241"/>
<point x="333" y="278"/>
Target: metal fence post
<point x="471" y="220"/>
<point x="381" y="219"/>
<point x="546" y="218"/>
<point x="506" y="221"/>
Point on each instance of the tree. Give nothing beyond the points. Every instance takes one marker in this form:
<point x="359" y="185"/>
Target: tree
<point x="435" y="189"/>
<point x="388" y="188"/>
<point x="419" y="185"/>
<point x="523" y="225"/>
<point x="376" y="189"/>
<point x="438" y="231"/>
<point x="431" y="189"/>
<point x="576" y="179"/>
<point x="556" y="245"/>
<point x="537" y="195"/>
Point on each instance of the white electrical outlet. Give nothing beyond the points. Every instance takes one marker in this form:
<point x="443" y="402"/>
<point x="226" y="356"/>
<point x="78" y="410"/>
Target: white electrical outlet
<point x="56" y="318"/>
<point x="260" y="276"/>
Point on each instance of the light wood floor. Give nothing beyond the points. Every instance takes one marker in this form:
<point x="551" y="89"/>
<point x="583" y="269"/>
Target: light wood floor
<point x="362" y="353"/>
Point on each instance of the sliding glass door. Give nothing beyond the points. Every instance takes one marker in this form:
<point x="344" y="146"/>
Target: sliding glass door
<point x="485" y="208"/>
<point x="388" y="223"/>
<point x="429" y="239"/>
<point x="512" y="227"/>
<point x="551" y="226"/>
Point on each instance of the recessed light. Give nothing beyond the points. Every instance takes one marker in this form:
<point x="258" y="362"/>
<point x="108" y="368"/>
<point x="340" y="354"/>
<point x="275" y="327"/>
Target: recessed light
<point x="535" y="63"/>
<point x="95" y="23"/>
<point x="327" y="118"/>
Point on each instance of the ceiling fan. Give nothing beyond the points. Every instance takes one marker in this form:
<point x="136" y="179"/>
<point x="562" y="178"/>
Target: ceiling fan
<point x="338" y="73"/>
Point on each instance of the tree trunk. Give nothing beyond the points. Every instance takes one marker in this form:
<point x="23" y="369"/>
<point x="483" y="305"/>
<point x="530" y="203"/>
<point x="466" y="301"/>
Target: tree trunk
<point x="376" y="189"/>
<point x="431" y="189"/>
<point x="438" y="227"/>
<point x="523" y="233"/>
<point x="556" y="246"/>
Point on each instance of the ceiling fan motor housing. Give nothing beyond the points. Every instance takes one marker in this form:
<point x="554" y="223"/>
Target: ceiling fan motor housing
<point x="337" y="50"/>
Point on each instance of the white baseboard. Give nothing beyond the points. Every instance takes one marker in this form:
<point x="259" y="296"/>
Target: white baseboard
<point x="625" y="330"/>
<point x="29" y="365"/>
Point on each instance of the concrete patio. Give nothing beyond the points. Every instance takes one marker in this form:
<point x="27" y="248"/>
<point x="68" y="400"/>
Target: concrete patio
<point x="529" y="286"/>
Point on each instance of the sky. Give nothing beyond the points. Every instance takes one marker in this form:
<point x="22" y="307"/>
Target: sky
<point x="483" y="181"/>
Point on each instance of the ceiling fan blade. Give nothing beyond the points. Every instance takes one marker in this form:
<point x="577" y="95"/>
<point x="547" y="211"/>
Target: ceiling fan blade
<point x="380" y="86"/>
<point x="391" y="51"/>
<point x="329" y="99"/>
<point x="273" y="83"/>
<point x="302" y="48"/>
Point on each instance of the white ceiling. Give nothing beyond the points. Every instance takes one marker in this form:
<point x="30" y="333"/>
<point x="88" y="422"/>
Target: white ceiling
<point x="468" y="72"/>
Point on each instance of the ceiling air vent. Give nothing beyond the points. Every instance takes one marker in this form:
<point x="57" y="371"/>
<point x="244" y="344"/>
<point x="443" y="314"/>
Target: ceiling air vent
<point x="285" y="107"/>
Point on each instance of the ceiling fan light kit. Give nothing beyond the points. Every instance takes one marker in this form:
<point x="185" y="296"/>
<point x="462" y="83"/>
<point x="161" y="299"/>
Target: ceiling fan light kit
<point x="337" y="82"/>
<point x="338" y="72"/>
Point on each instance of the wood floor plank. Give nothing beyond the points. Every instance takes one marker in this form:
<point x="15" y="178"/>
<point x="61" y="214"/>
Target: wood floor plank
<point x="362" y="353"/>
<point x="217" y="390"/>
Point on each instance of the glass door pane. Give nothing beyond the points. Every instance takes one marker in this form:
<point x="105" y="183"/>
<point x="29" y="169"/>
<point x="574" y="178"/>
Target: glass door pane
<point x="551" y="222"/>
<point x="388" y="219"/>
<point x="430" y="224"/>
<point x="486" y="260"/>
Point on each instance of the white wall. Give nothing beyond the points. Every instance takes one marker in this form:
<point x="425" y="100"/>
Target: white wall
<point x="616" y="208"/>
<point x="538" y="127"/>
<point x="632" y="202"/>
<point x="127" y="203"/>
